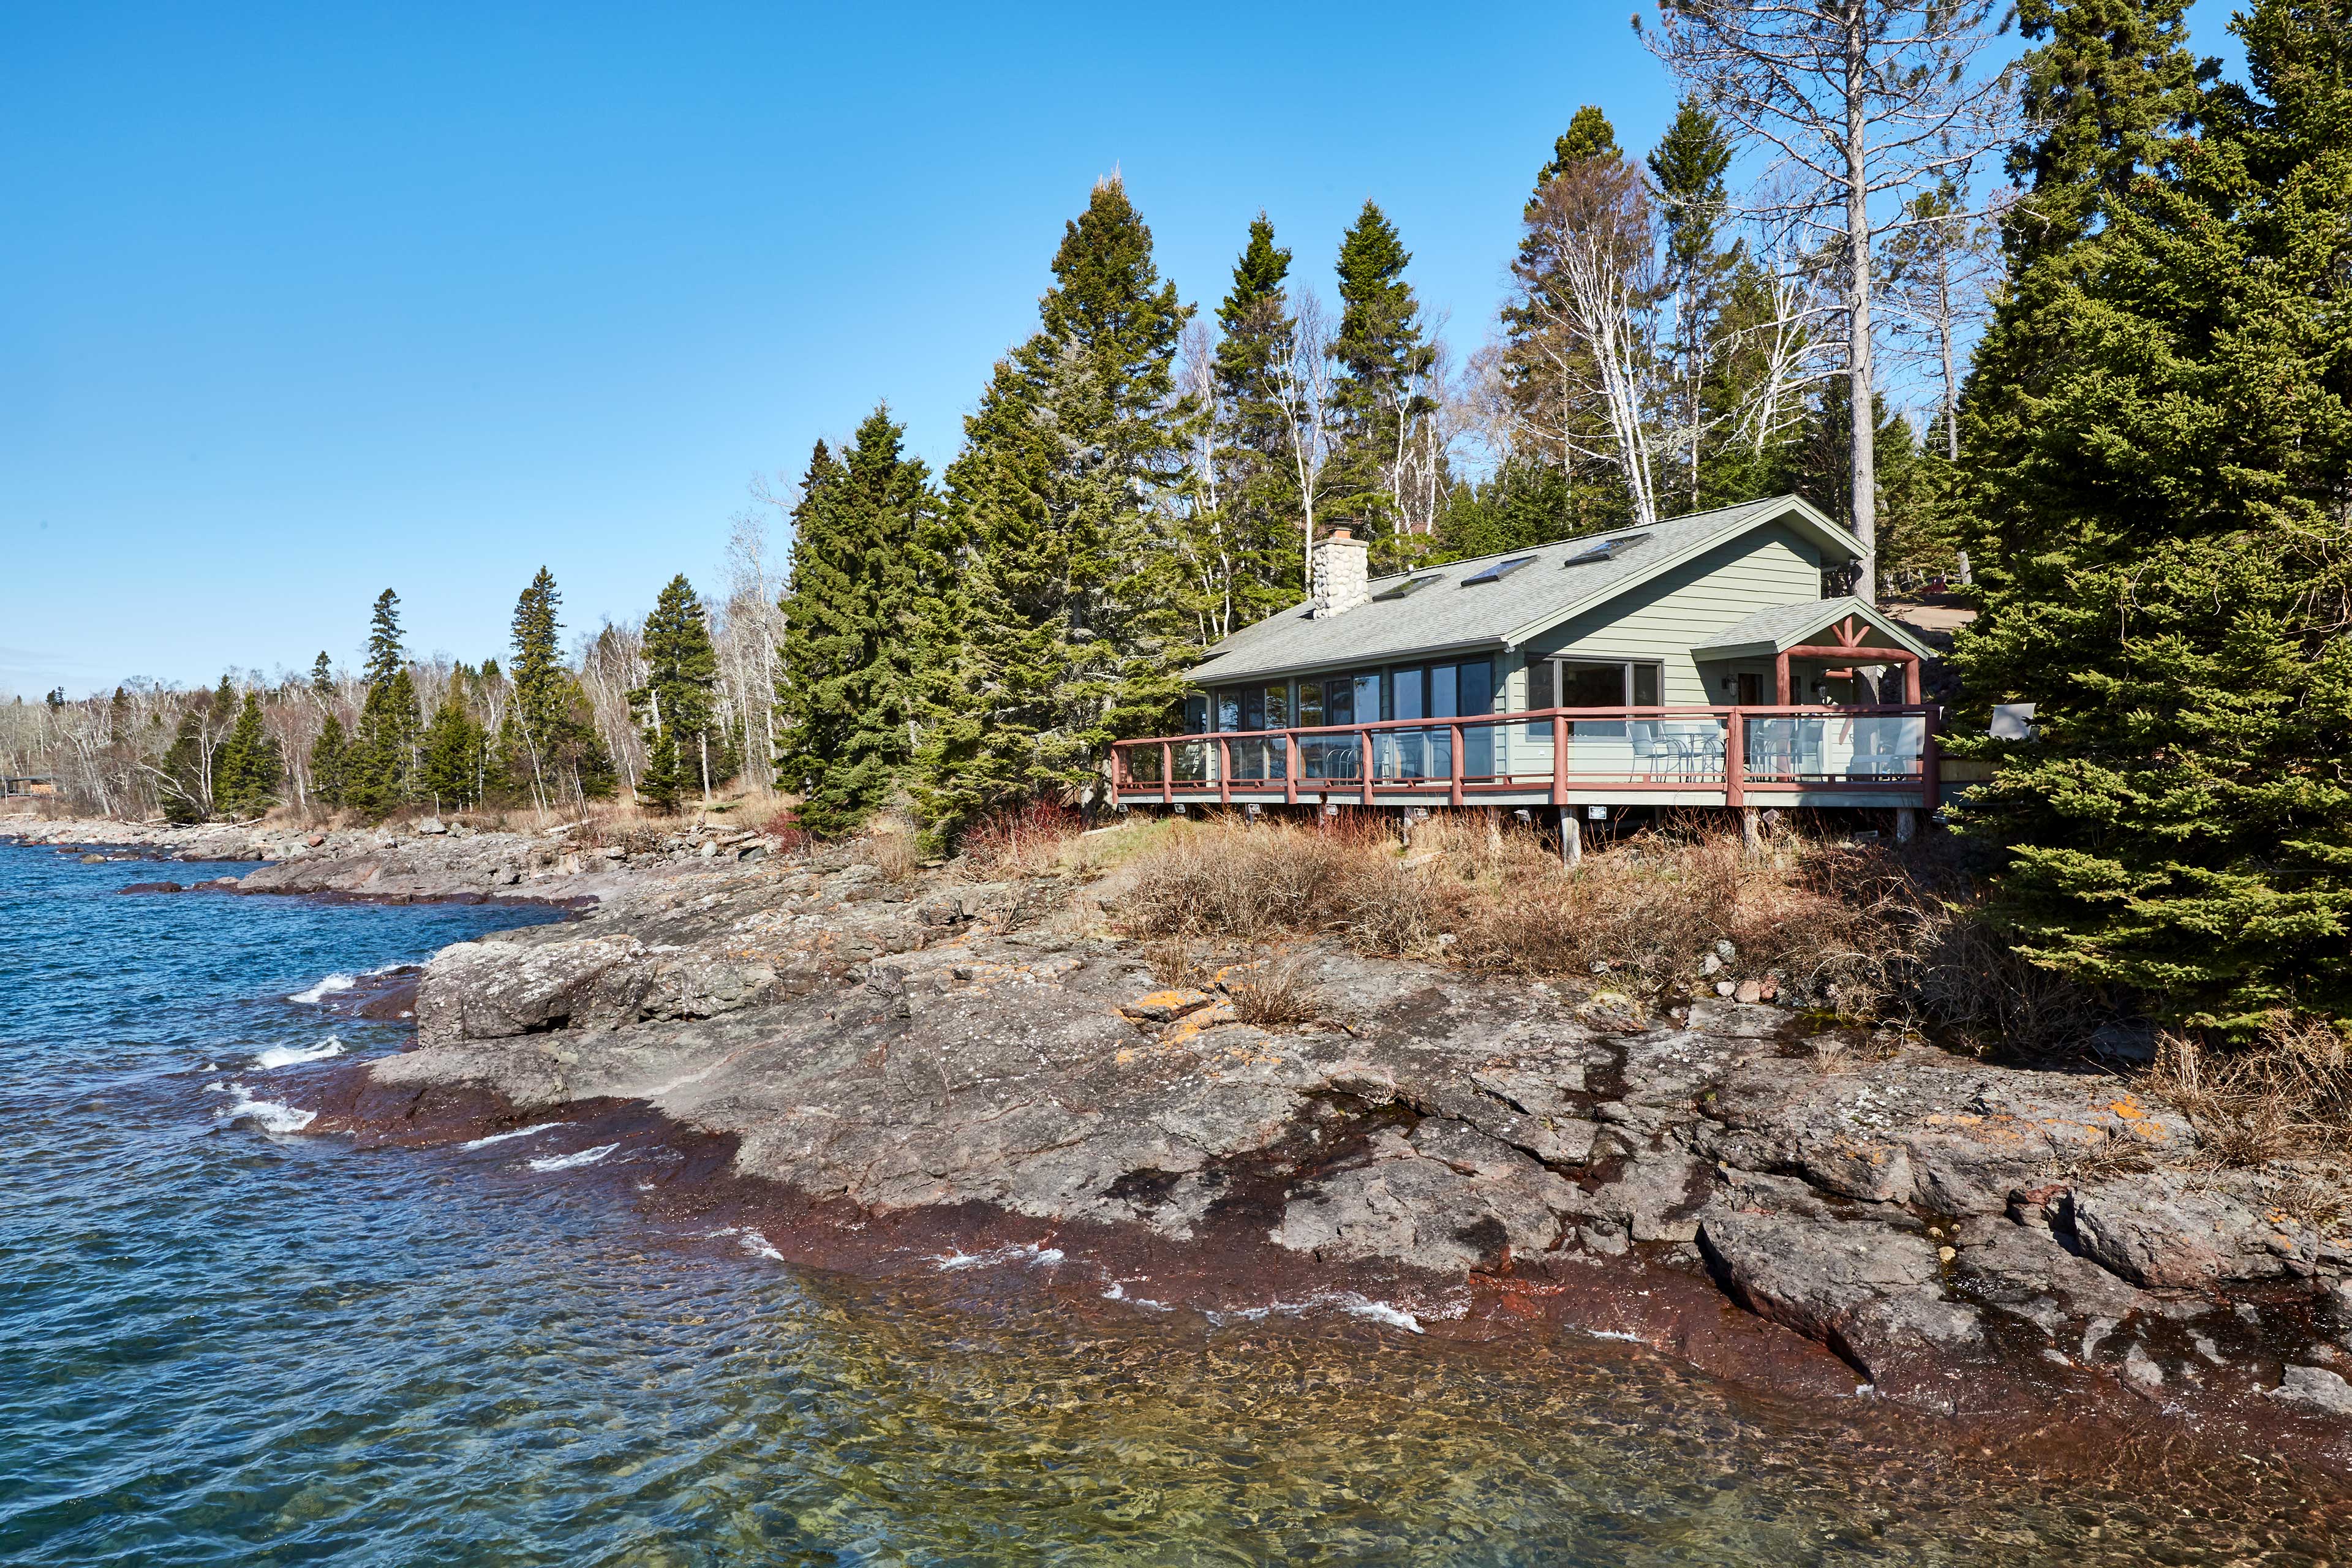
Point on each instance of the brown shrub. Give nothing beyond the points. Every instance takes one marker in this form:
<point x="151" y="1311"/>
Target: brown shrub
<point x="1872" y="930"/>
<point x="2288" y="1092"/>
<point x="1273" y="994"/>
<point x="1021" y="841"/>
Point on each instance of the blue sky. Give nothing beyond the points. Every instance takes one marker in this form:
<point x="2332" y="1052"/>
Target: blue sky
<point x="301" y="302"/>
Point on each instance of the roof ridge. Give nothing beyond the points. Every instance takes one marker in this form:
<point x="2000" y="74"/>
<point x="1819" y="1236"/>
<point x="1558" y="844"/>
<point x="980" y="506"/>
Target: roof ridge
<point x="1583" y="538"/>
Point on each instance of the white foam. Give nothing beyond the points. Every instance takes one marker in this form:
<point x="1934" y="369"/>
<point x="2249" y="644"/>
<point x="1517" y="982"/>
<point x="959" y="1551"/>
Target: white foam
<point x="1616" y="1334"/>
<point x="518" y="1132"/>
<point x="288" y="1056"/>
<point x="1377" y="1311"/>
<point x="318" y="993"/>
<point x="269" y="1115"/>
<point x="758" y="1246"/>
<point x="1026" y="1252"/>
<point x="568" y="1162"/>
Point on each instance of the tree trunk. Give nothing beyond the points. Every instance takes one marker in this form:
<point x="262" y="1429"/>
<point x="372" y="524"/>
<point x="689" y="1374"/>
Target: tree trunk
<point x="1863" y="403"/>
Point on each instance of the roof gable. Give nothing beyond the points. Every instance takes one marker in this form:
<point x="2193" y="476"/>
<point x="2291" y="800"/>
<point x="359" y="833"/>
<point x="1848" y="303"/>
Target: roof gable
<point x="1784" y="626"/>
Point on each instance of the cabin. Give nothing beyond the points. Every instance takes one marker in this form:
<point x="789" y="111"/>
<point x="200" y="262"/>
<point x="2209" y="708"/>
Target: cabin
<point x="1711" y="660"/>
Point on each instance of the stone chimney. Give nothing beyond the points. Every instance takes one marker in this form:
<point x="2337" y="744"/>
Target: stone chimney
<point x="1340" y="574"/>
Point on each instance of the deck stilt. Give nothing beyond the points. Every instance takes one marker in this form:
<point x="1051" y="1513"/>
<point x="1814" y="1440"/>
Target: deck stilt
<point x="1751" y="828"/>
<point x="1571" y="837"/>
<point x="1906" y="824"/>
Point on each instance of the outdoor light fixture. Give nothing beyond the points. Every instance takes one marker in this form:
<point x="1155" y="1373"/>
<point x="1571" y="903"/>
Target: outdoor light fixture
<point x="1597" y="812"/>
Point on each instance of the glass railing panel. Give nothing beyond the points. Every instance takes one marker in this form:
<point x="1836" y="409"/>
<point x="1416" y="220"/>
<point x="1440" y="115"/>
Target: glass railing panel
<point x="1191" y="760"/>
<point x="1331" y="758"/>
<point x="1836" y="746"/>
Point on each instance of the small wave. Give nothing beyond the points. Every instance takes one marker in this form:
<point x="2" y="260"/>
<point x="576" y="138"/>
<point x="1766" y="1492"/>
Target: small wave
<point x="759" y="1245"/>
<point x="1377" y="1311"/>
<point x="1616" y="1334"/>
<point x="567" y="1161"/>
<point x="518" y="1132"/>
<point x="288" y="1056"/>
<point x="1025" y="1252"/>
<point x="269" y="1115"/>
<point x="318" y="992"/>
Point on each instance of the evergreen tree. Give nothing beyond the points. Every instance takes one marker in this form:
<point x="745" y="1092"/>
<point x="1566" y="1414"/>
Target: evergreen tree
<point x="184" y="776"/>
<point x="1256" y="516"/>
<point x="1687" y="168"/>
<point x="322" y="676"/>
<point x="380" y="765"/>
<point x="1061" y="500"/>
<point x="1378" y="395"/>
<point x="1525" y="503"/>
<point x="851" y="611"/>
<point x="450" y="772"/>
<point x="247" y="773"/>
<point x="675" y="704"/>
<point x="1546" y="379"/>
<point x="537" y="680"/>
<point x="330" y="762"/>
<point x="551" y="752"/>
<point x="2167" y="488"/>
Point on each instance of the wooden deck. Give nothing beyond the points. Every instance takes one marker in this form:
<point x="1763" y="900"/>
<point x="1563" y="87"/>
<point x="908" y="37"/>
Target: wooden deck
<point x="1812" y="757"/>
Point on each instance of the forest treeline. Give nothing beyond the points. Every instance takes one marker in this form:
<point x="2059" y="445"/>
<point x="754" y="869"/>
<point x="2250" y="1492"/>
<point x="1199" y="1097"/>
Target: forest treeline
<point x="2110" y="402"/>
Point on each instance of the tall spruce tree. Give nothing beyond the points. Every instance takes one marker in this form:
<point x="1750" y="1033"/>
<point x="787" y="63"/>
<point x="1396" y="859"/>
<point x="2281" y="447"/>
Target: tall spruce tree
<point x="450" y="770"/>
<point x="1687" y="168"/>
<point x="1062" y="498"/>
<point x="184" y="777"/>
<point x="1256" y="518"/>
<point x="1382" y="358"/>
<point x="2175" y="569"/>
<point x="675" y="705"/>
<point x="249" y="771"/>
<point x="380" y="767"/>
<point x="548" y="746"/>
<point x="330" y="762"/>
<point x="851" y="611"/>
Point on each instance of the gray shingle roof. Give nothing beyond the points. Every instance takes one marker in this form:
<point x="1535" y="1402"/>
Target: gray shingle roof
<point x="1450" y="614"/>
<point x="1791" y="625"/>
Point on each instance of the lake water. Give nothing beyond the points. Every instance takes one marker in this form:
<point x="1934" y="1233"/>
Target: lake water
<point x="225" y="1342"/>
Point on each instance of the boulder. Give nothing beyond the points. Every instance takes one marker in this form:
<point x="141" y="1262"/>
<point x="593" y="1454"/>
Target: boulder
<point x="2163" y="1232"/>
<point x="1867" y="1290"/>
<point x="2314" y="1388"/>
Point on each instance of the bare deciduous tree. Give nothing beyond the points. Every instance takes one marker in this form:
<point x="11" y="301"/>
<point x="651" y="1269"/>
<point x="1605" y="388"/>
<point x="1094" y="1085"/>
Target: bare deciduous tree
<point x="1302" y="386"/>
<point x="1863" y="101"/>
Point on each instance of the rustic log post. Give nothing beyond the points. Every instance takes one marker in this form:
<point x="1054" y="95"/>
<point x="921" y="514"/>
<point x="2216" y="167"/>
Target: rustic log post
<point x="1560" y="763"/>
<point x="1735" y="759"/>
<point x="1455" y="730"/>
<point x="1571" y="837"/>
<point x="1290" y="767"/>
<point x="1224" y="771"/>
<point x="1751" y="830"/>
<point x="1166" y="772"/>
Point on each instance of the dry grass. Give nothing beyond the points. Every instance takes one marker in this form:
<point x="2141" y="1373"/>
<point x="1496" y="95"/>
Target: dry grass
<point x="2286" y="1094"/>
<point x="1176" y="964"/>
<point x="1275" y="994"/>
<point x="1025" y="841"/>
<point x="1868" y="930"/>
<point x="890" y="846"/>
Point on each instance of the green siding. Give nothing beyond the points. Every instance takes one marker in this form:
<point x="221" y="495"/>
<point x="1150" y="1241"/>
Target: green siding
<point x="1663" y="619"/>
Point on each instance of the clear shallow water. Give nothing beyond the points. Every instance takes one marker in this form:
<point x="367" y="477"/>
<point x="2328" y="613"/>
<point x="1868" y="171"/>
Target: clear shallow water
<point x="221" y="1344"/>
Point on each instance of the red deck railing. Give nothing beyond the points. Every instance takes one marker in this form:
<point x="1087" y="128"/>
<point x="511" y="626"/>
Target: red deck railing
<point x="1735" y="751"/>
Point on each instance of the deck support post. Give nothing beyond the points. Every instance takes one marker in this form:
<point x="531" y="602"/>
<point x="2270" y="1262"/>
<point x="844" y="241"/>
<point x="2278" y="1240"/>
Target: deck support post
<point x="1751" y="829"/>
<point x="1224" y="771"/>
<point x="1571" y="837"/>
<point x="1364" y="760"/>
<point x="1290" y="767"/>
<point x="1906" y="824"/>
<point x="1166" y="772"/>
<point x="1559" y="761"/>
<point x="1454" y="794"/>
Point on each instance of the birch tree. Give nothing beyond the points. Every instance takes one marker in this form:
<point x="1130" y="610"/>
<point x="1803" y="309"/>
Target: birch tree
<point x="1865" y="100"/>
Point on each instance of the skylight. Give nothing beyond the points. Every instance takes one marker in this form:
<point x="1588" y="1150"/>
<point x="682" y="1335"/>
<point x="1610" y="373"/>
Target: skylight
<point x="1606" y="549"/>
<point x="1500" y="570"/>
<point x="1412" y="585"/>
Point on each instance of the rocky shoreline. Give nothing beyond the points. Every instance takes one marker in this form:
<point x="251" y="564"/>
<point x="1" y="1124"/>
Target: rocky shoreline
<point x="876" y="1074"/>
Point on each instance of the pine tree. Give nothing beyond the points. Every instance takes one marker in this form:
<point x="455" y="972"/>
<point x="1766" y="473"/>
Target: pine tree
<point x="184" y="777"/>
<point x="851" y="610"/>
<point x="1253" y="521"/>
<point x="249" y="771"/>
<point x="322" y="676"/>
<point x="330" y="763"/>
<point x="675" y="705"/>
<point x="380" y="765"/>
<point x="1524" y="503"/>
<point x="1060" y="500"/>
<point x="537" y="678"/>
<point x="2167" y="488"/>
<point x="1687" y="168"/>
<point x="551" y="752"/>
<point x="451" y="768"/>
<point x="1378" y="395"/>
